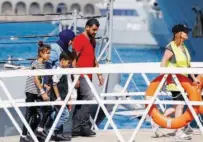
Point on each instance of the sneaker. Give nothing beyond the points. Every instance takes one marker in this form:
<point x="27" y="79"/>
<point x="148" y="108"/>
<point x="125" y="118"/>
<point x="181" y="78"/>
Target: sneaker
<point x="155" y="129"/>
<point x="180" y="135"/>
<point x="24" y="139"/>
<point x="188" y="130"/>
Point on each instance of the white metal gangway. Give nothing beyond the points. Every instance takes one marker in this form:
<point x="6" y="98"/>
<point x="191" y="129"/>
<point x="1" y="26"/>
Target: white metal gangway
<point x="133" y="68"/>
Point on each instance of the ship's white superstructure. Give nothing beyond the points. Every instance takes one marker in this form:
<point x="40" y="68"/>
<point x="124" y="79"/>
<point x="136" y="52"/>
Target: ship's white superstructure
<point x="135" y="23"/>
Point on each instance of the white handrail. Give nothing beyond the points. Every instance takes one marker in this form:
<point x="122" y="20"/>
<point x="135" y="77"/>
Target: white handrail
<point x="7" y="104"/>
<point x="108" y="68"/>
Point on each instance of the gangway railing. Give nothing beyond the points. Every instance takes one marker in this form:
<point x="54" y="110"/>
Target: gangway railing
<point x="135" y="68"/>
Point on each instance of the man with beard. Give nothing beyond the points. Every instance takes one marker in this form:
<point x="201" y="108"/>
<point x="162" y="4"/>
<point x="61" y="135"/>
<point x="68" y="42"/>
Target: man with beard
<point x="84" y="48"/>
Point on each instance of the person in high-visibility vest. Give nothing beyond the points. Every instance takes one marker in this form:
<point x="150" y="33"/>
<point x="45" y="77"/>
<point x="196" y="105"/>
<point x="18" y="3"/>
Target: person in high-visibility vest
<point x="177" y="55"/>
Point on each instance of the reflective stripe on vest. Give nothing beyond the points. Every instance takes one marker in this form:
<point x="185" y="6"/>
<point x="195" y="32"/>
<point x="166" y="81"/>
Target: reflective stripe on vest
<point x="181" y="61"/>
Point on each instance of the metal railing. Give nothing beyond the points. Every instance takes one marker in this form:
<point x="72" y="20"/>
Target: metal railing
<point x="104" y="69"/>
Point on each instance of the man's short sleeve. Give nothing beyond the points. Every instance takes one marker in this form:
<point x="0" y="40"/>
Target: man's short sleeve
<point x="78" y="44"/>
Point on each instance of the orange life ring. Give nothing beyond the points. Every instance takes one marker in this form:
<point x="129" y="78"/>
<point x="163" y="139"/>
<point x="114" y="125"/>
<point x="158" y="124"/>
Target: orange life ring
<point x="186" y="117"/>
<point x="200" y="86"/>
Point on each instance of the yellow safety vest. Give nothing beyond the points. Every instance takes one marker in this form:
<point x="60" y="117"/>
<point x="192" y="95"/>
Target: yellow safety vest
<point x="181" y="61"/>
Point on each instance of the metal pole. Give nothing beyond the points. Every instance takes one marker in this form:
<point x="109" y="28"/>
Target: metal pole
<point x="60" y="24"/>
<point x="103" y="51"/>
<point x="153" y="99"/>
<point x="187" y="101"/>
<point x="104" y="35"/>
<point x="110" y="28"/>
<point x="75" y="21"/>
<point x="103" y="91"/>
<point x="116" y="106"/>
<point x="65" y="102"/>
<point x="103" y="107"/>
<point x="12" y="118"/>
<point x="18" y="110"/>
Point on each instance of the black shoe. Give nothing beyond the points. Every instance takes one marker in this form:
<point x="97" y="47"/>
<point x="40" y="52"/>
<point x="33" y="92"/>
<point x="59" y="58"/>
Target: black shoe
<point x="60" y="137"/>
<point x="87" y="133"/>
<point x="67" y="134"/>
<point x="30" y="138"/>
<point x="24" y="139"/>
<point x="41" y="135"/>
<point x="76" y="133"/>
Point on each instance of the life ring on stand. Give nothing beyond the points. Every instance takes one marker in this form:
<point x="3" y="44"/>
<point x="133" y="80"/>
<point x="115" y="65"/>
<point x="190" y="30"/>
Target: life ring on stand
<point x="186" y="117"/>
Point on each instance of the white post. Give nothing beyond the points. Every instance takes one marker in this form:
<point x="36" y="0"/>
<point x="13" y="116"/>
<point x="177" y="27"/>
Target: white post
<point x="110" y="18"/>
<point x="18" y="110"/>
<point x="123" y="62"/>
<point x="188" y="102"/>
<point x="60" y="24"/>
<point x="65" y="102"/>
<point x="71" y="24"/>
<point x="98" y="108"/>
<point x="12" y="119"/>
<point x="148" y="82"/>
<point x="75" y="22"/>
<point x="148" y="108"/>
<point x="104" y="35"/>
<point x="118" y="134"/>
<point x="103" y="50"/>
<point x="116" y="106"/>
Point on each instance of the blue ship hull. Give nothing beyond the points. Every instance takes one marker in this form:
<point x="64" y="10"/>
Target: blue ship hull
<point x="180" y="11"/>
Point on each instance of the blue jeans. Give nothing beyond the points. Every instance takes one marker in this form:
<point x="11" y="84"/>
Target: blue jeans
<point x="64" y="117"/>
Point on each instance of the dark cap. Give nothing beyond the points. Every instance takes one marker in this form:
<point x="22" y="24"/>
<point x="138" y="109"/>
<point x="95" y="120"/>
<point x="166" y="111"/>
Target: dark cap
<point x="180" y="28"/>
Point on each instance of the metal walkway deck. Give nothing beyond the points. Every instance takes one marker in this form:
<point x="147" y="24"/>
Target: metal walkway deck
<point x="144" y="135"/>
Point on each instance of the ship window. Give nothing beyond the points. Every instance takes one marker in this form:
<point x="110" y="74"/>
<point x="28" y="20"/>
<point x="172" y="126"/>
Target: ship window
<point x="103" y="11"/>
<point x="121" y="12"/>
<point x="125" y="12"/>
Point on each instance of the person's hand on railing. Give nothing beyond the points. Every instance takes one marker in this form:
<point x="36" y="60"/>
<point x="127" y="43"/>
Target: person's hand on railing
<point x="47" y="88"/>
<point x="45" y="97"/>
